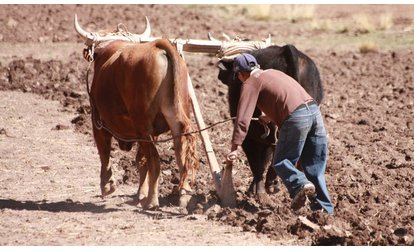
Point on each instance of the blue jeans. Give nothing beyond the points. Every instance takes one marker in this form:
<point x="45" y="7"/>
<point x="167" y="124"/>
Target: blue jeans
<point x="303" y="135"/>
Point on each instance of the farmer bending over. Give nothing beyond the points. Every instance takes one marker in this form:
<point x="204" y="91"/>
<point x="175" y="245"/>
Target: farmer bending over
<point x="301" y="129"/>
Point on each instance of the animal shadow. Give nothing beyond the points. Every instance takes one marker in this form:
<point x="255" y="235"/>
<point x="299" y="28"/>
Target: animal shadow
<point x="60" y="206"/>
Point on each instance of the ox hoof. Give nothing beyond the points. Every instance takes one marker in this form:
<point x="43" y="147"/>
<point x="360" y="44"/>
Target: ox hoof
<point x="142" y="197"/>
<point x="108" y="189"/>
<point x="264" y="200"/>
<point x="149" y="205"/>
<point x="273" y="189"/>
<point x="184" y="200"/>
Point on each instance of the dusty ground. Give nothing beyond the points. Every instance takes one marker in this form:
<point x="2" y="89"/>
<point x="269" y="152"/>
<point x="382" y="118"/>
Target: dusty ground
<point x="49" y="167"/>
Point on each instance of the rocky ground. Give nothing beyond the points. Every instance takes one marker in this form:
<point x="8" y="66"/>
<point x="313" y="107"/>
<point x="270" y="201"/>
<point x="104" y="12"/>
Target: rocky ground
<point x="49" y="165"/>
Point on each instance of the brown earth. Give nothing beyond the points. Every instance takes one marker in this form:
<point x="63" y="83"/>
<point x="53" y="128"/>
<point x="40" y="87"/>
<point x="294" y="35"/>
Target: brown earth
<point x="49" y="167"/>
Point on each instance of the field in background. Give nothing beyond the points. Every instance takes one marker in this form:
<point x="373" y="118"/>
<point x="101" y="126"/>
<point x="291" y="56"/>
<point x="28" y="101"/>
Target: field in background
<point x="49" y="167"/>
<point x="378" y="27"/>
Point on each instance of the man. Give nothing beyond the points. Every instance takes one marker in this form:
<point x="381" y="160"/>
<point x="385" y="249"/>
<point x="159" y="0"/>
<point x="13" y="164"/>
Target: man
<point x="301" y="129"/>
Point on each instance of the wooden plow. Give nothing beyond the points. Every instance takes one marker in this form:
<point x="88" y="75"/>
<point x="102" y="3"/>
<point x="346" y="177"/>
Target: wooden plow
<point x="222" y="178"/>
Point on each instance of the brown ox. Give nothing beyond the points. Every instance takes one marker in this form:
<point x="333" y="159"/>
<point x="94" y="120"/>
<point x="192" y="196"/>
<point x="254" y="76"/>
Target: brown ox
<point x="140" y="91"/>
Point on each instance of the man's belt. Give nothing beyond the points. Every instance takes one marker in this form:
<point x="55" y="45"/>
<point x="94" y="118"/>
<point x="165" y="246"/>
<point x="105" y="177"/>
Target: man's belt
<point x="303" y="105"/>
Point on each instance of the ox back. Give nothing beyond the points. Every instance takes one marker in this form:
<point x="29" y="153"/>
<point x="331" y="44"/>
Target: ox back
<point x="294" y="63"/>
<point x="260" y="151"/>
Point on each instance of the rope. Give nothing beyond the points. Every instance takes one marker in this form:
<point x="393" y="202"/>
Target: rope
<point x="99" y="125"/>
<point x="4" y="132"/>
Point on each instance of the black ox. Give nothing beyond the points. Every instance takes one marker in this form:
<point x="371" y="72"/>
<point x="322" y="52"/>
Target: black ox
<point x="259" y="151"/>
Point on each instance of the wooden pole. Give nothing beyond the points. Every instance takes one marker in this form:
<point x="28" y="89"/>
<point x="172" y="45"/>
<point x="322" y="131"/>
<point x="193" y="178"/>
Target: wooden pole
<point x="223" y="179"/>
<point x="212" y="160"/>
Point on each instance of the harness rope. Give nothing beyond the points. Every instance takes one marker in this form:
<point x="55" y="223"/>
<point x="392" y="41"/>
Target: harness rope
<point x="99" y="124"/>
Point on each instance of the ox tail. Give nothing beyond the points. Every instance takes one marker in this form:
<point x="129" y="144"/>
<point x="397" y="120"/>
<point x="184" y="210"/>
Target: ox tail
<point x="191" y="163"/>
<point x="291" y="55"/>
<point x="189" y="155"/>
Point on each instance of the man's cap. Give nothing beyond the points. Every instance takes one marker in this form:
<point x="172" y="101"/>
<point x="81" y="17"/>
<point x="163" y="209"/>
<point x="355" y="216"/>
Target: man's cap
<point x="245" y="63"/>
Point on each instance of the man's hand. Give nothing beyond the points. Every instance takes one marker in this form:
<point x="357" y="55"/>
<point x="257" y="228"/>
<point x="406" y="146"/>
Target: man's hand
<point x="264" y="119"/>
<point x="233" y="155"/>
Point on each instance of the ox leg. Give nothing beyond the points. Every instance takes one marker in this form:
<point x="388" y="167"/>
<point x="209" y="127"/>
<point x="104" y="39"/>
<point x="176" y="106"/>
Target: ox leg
<point x="149" y="175"/>
<point x="271" y="183"/>
<point x="142" y="165"/>
<point x="258" y="155"/>
<point x="103" y="143"/>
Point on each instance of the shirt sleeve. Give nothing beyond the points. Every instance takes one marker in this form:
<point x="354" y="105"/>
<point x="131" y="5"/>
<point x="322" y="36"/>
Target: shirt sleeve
<point x="249" y="94"/>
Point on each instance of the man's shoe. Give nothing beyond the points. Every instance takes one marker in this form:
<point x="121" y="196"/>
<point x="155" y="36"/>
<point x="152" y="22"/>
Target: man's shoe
<point x="300" y="198"/>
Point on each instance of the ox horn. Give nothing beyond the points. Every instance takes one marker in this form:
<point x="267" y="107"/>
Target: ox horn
<point x="211" y="38"/>
<point x="100" y="38"/>
<point x="147" y="31"/>
<point x="81" y="31"/>
<point x="227" y="37"/>
<point x="268" y="41"/>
